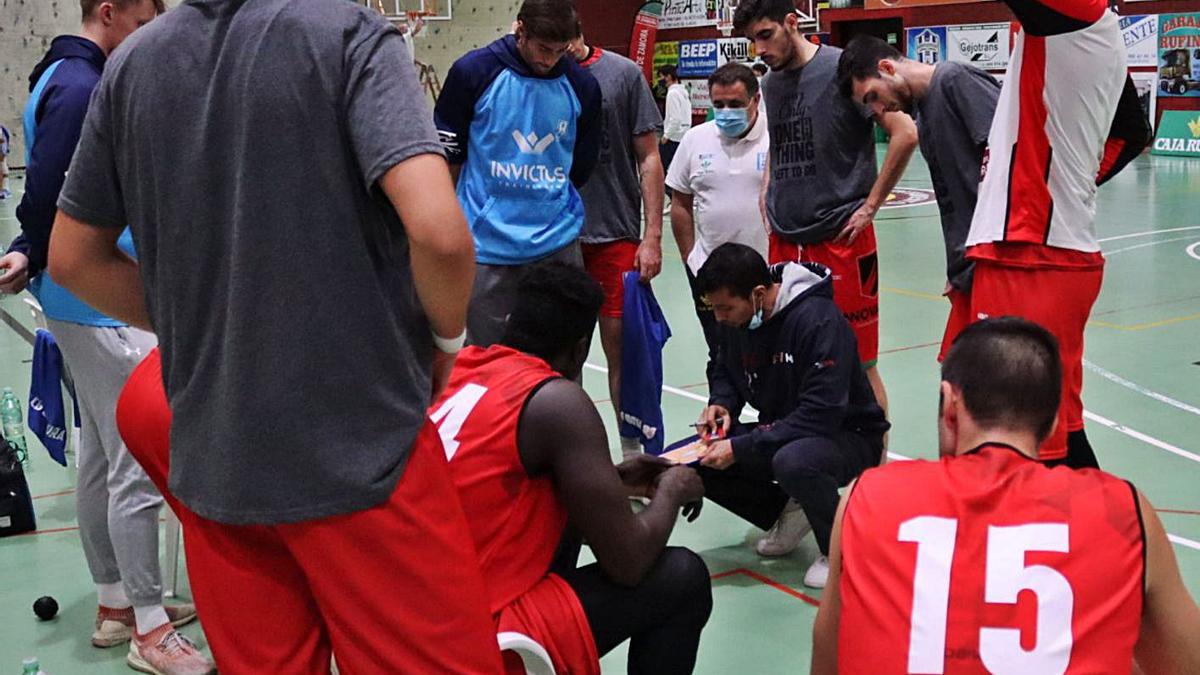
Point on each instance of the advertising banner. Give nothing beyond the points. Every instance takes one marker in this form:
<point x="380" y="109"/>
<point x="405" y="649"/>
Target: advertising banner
<point x="926" y="44"/>
<point x="666" y="54"/>
<point x="734" y="50"/>
<point x="645" y="32"/>
<point x="1178" y="134"/>
<point x="1140" y="34"/>
<point x="697" y="58"/>
<point x="984" y="46"/>
<point x="688" y="14"/>
<point x="900" y="4"/>
<point x="1179" y="54"/>
<point x="698" y="92"/>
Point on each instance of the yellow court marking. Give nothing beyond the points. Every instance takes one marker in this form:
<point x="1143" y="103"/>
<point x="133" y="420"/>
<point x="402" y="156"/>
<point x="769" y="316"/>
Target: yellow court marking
<point x="1101" y="324"/>
<point x="1146" y="326"/>
<point x="913" y="294"/>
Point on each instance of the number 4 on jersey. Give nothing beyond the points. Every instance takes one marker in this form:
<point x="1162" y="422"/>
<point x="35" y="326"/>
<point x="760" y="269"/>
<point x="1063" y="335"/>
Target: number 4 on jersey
<point x="1006" y="576"/>
<point x="454" y="412"/>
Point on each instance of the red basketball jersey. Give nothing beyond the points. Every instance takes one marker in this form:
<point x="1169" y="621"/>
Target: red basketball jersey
<point x="516" y="521"/>
<point x="990" y="563"/>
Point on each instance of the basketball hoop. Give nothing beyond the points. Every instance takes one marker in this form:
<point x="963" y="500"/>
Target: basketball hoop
<point x="725" y="17"/>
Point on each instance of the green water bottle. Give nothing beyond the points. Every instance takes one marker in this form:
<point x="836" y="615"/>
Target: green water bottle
<point x="30" y="666"/>
<point x="14" y="426"/>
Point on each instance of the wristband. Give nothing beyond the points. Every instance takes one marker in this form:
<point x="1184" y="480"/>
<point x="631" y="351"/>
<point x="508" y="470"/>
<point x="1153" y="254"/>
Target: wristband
<point x="449" y="345"/>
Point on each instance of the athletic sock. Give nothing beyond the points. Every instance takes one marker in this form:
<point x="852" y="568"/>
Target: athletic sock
<point x="113" y="596"/>
<point x="149" y="618"/>
<point x="630" y="447"/>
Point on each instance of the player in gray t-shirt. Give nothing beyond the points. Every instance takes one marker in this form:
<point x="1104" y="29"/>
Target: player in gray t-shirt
<point x="627" y="181"/>
<point x="823" y="187"/>
<point x="305" y="316"/>
<point x="954" y="104"/>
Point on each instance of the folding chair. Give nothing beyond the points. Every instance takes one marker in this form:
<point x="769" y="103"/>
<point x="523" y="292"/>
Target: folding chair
<point x="533" y="655"/>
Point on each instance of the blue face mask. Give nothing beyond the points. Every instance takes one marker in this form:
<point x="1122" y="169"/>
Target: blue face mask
<point x="732" y="122"/>
<point x="756" y="321"/>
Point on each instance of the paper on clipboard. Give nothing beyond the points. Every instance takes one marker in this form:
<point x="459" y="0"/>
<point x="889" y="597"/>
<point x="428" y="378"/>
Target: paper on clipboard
<point x="688" y="454"/>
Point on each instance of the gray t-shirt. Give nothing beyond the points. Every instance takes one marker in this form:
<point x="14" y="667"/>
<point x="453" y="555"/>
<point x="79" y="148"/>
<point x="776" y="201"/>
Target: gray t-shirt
<point x="242" y="141"/>
<point x="612" y="197"/>
<point x="953" y="121"/>
<point x="822" y="151"/>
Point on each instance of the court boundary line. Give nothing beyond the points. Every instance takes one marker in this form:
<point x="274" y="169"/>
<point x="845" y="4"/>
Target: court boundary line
<point x="1134" y="386"/>
<point x="1148" y="233"/>
<point x="769" y="582"/>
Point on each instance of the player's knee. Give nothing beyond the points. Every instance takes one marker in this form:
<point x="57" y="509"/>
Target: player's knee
<point x="689" y="579"/>
<point x="794" y="461"/>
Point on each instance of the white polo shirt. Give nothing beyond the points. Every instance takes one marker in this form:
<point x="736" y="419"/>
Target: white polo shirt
<point x="725" y="176"/>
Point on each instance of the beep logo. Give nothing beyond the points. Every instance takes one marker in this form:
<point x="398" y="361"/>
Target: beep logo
<point x="697" y="58"/>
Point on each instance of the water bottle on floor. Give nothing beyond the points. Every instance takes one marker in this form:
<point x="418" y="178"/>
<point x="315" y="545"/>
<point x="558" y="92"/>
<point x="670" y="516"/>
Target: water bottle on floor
<point x="32" y="667"/>
<point x="14" y="426"/>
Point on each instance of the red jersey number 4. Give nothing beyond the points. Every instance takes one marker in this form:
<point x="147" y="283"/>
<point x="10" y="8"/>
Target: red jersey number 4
<point x="1005" y="577"/>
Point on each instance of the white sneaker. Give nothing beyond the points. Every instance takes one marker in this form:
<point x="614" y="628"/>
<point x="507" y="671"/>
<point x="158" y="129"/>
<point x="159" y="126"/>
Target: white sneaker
<point x="784" y="537"/>
<point x="818" y="573"/>
<point x="667" y="207"/>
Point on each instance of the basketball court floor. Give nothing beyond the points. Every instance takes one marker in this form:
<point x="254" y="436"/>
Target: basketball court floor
<point x="1141" y="391"/>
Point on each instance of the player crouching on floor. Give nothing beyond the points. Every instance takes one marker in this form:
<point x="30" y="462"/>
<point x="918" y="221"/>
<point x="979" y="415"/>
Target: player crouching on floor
<point x="786" y="349"/>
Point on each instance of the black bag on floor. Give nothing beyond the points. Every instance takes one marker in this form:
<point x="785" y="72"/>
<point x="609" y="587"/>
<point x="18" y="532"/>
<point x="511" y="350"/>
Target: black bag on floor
<point x="16" y="506"/>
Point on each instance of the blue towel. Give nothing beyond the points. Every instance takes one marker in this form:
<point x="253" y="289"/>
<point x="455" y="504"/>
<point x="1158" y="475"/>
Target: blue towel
<point x="644" y="332"/>
<point x="47" y="417"/>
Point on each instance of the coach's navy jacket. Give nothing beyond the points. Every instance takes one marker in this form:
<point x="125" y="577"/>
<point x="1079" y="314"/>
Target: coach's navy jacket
<point x="800" y="369"/>
<point x="60" y="88"/>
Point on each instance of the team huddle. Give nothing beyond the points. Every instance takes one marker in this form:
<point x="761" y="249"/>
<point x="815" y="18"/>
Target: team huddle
<point x="404" y="501"/>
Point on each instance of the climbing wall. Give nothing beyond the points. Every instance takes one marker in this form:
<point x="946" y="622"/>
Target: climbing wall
<point x="475" y="24"/>
<point x="26" y="29"/>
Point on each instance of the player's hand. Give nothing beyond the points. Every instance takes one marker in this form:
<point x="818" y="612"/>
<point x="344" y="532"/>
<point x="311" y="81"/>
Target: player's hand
<point x="649" y="259"/>
<point x="443" y="363"/>
<point x="859" y="221"/>
<point x="14" y="273"/>
<point x="682" y="485"/>
<point x="715" y="422"/>
<point x="641" y="473"/>
<point x="718" y="455"/>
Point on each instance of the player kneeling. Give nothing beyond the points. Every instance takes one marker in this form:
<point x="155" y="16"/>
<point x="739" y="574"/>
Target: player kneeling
<point x="528" y="453"/>
<point x="988" y="560"/>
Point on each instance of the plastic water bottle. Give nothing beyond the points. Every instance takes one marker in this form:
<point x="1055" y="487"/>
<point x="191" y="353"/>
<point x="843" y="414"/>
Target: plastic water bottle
<point x="14" y="425"/>
<point x="31" y="666"/>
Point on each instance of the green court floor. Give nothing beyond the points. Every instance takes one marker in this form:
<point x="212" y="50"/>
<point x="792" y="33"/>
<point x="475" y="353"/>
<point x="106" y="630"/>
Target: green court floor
<point x="1141" y="390"/>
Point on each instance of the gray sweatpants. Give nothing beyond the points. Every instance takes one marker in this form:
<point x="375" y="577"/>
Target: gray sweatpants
<point x="495" y="294"/>
<point x="118" y="505"/>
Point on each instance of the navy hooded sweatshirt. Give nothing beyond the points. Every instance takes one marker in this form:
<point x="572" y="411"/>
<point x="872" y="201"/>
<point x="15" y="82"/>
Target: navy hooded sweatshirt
<point x="800" y="369"/>
<point x="60" y="88"/>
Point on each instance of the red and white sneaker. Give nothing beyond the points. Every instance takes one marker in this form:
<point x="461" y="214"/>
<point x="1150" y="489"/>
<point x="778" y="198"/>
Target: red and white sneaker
<point x="166" y="651"/>
<point x="115" y="626"/>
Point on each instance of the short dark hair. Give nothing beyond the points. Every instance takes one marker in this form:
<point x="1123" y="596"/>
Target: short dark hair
<point x="750" y="11"/>
<point x="669" y="71"/>
<point x="553" y="20"/>
<point x="860" y="61"/>
<point x="1009" y="372"/>
<point x="759" y="67"/>
<point x="736" y="268"/>
<point x="557" y="306"/>
<point x="732" y="73"/>
<point x="87" y="7"/>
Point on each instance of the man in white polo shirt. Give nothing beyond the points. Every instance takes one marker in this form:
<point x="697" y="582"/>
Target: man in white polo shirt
<point x="716" y="176"/>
